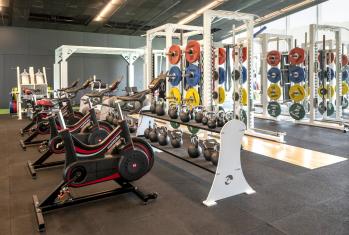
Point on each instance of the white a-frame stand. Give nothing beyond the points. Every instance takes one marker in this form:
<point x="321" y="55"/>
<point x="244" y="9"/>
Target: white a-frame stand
<point x="229" y="179"/>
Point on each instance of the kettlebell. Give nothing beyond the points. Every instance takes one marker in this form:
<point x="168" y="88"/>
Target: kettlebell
<point x="184" y="115"/>
<point x="163" y="138"/>
<point x="131" y="126"/>
<point x="229" y="116"/>
<point x="220" y="118"/>
<point x="212" y="120"/>
<point x="153" y="106"/>
<point x="147" y="131"/>
<point x="194" y="149"/>
<point x="199" y="114"/>
<point x="173" y="111"/>
<point x="153" y="135"/>
<point x="208" y="148"/>
<point x="160" y="107"/>
<point x="176" y="138"/>
<point x="204" y="119"/>
<point x="215" y="154"/>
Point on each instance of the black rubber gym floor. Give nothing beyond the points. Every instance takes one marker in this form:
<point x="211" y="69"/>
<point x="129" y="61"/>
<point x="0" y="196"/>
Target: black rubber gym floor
<point x="289" y="199"/>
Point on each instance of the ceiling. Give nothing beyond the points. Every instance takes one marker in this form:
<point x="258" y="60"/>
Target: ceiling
<point x="133" y="18"/>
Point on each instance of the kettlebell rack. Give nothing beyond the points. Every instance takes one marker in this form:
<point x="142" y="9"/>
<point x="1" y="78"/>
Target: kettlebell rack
<point x="229" y="178"/>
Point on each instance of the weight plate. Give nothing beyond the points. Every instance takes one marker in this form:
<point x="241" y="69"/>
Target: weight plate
<point x="175" y="125"/>
<point x="296" y="56"/>
<point x="297" y="111"/>
<point x="222" y="75"/>
<point x="175" y="75"/>
<point x="330" y="108"/>
<point x="244" y="74"/>
<point x="273" y="58"/>
<point x="192" y="75"/>
<point x="296" y="74"/>
<point x="274" y="109"/>
<point x="236" y="74"/>
<point x="345" y="88"/>
<point x="193" y="130"/>
<point x="324" y="91"/>
<point x="192" y="51"/>
<point x="175" y="95"/>
<point x="274" y="91"/>
<point x="243" y="116"/>
<point x="222" y="56"/>
<point x="345" y="60"/>
<point x="243" y="56"/>
<point x="243" y="93"/>
<point x="236" y="96"/>
<point x="329" y="57"/>
<point x="345" y="75"/>
<point x="221" y="95"/>
<point x="297" y="93"/>
<point x="274" y="75"/>
<point x="192" y="97"/>
<point x="174" y="54"/>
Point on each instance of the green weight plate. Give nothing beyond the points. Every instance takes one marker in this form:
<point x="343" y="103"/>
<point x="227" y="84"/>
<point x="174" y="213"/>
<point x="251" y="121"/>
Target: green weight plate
<point x="274" y="109"/>
<point x="330" y="108"/>
<point x="297" y="111"/>
<point x="193" y="130"/>
<point x="345" y="103"/>
<point x="175" y="125"/>
<point x="243" y="116"/>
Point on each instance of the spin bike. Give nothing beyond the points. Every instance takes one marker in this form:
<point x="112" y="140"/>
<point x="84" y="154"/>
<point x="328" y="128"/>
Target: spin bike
<point x="38" y="114"/>
<point x="64" y="103"/>
<point x="119" y="158"/>
<point x="88" y="130"/>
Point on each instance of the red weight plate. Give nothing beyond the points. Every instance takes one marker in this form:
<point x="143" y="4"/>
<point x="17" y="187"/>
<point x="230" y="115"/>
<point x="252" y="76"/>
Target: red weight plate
<point x="296" y="56"/>
<point x="222" y="56"/>
<point x="329" y="57"/>
<point x="345" y="60"/>
<point x="192" y="51"/>
<point x="273" y="58"/>
<point x="174" y="54"/>
<point x="244" y="54"/>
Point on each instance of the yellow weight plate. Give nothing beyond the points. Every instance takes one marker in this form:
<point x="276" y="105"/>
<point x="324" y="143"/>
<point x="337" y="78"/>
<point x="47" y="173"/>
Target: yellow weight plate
<point x="192" y="98"/>
<point x="274" y="91"/>
<point x="175" y="95"/>
<point x="307" y="89"/>
<point x="297" y="93"/>
<point x="345" y="88"/>
<point x="328" y="88"/>
<point x="221" y="95"/>
<point x="243" y="93"/>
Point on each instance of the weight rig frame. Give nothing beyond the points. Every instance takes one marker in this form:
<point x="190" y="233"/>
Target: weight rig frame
<point x="248" y="20"/>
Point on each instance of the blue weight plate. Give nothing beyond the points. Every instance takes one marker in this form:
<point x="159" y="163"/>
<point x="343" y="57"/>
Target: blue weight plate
<point x="193" y="75"/>
<point x="177" y="75"/>
<point x="296" y="74"/>
<point x="222" y="75"/>
<point x="345" y="75"/>
<point x="330" y="73"/>
<point x="274" y="75"/>
<point x="244" y="74"/>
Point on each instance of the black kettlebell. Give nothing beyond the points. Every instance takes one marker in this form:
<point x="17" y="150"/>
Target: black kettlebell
<point x="204" y="119"/>
<point x="176" y="138"/>
<point x="163" y="137"/>
<point x="153" y="106"/>
<point x="229" y="116"/>
<point x="194" y="149"/>
<point x="184" y="115"/>
<point x="208" y="148"/>
<point x="215" y="155"/>
<point x="212" y="120"/>
<point x="199" y="114"/>
<point x="153" y="134"/>
<point x="220" y="118"/>
<point x="173" y="111"/>
<point x="160" y="107"/>
<point x="147" y="131"/>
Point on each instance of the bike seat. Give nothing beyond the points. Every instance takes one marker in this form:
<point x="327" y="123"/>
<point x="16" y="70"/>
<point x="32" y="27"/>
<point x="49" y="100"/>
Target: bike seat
<point x="69" y="87"/>
<point x="76" y="89"/>
<point x="99" y="94"/>
<point x="45" y="103"/>
<point x="140" y="97"/>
